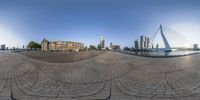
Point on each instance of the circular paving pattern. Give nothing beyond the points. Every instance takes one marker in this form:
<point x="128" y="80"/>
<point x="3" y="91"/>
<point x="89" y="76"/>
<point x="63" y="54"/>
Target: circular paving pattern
<point x="111" y="75"/>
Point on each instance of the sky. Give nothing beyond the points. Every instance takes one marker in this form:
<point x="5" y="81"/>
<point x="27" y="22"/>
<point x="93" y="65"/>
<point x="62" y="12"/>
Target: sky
<point x="119" y="21"/>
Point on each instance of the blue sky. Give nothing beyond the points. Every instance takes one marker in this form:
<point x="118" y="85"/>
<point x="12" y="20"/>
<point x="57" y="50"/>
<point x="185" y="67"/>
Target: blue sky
<point x="120" y="21"/>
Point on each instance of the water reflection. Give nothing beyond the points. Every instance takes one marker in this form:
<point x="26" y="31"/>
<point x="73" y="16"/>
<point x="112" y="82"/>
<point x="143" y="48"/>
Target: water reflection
<point x="163" y="54"/>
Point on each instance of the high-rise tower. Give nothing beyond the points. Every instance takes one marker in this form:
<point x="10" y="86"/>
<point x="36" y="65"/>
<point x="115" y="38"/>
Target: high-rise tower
<point x="102" y="42"/>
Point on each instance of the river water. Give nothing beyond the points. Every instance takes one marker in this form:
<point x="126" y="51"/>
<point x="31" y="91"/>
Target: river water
<point x="174" y="53"/>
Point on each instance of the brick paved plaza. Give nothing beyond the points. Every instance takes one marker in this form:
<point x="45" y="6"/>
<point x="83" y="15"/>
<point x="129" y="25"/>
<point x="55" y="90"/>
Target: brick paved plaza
<point x="108" y="76"/>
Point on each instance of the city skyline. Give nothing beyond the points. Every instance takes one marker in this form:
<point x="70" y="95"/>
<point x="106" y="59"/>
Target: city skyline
<point x="120" y="22"/>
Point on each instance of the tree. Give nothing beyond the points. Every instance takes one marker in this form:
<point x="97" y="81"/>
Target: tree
<point x="37" y="45"/>
<point x="92" y="47"/>
<point x="133" y="49"/>
<point x="99" y="47"/>
<point x="85" y="48"/>
<point x="31" y="45"/>
<point x="127" y="49"/>
<point x="34" y="45"/>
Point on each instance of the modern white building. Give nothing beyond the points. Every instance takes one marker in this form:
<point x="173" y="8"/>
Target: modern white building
<point x="144" y="42"/>
<point x="102" y="42"/>
<point x="111" y="44"/>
